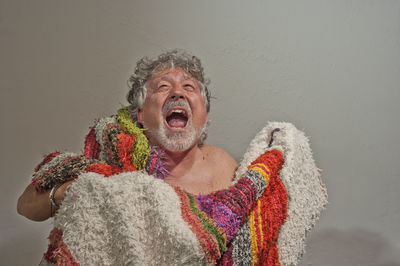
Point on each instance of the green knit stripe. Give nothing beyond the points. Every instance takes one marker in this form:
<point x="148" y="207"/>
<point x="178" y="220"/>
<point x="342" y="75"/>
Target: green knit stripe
<point x="208" y="223"/>
<point x="141" y="148"/>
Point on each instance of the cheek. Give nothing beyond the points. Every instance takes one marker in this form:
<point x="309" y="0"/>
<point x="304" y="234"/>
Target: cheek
<point x="152" y="113"/>
<point x="203" y="119"/>
<point x="201" y="113"/>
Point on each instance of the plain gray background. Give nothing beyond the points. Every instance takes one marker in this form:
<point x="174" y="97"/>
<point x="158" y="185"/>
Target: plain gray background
<point x="330" y="67"/>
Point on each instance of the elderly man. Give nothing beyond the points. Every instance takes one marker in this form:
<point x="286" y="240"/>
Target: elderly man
<point x="170" y="199"/>
<point x="170" y="97"/>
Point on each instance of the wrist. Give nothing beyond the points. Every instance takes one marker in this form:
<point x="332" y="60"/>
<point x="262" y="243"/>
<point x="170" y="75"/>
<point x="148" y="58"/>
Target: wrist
<point x="54" y="205"/>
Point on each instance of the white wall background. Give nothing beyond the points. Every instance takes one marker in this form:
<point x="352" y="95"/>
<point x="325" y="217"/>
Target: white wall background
<point x="330" y="67"/>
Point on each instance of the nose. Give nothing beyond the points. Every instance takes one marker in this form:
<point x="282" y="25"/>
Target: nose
<point x="177" y="93"/>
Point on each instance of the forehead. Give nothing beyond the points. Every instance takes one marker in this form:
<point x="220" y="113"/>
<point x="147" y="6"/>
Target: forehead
<point x="171" y="73"/>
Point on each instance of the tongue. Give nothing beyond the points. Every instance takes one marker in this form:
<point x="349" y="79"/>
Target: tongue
<point x="176" y="122"/>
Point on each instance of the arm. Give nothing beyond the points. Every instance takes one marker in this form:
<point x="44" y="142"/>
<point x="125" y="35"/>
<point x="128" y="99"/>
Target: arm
<point x="36" y="205"/>
<point x="107" y="151"/>
<point x="56" y="169"/>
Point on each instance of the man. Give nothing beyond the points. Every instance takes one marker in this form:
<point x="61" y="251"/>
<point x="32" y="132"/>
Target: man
<point x="194" y="216"/>
<point x="170" y="97"/>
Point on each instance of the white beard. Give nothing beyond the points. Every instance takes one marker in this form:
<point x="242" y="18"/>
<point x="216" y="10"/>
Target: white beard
<point x="173" y="141"/>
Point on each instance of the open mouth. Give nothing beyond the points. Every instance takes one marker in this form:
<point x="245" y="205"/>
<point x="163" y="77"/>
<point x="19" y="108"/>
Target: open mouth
<point x="177" y="118"/>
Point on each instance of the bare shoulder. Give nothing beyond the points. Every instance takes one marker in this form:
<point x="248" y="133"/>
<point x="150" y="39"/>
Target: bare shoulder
<point x="218" y="154"/>
<point x="224" y="166"/>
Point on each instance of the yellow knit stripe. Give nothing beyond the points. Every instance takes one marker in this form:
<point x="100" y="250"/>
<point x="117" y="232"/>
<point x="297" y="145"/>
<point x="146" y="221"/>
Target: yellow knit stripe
<point x="260" y="223"/>
<point x="141" y="149"/>
<point x="253" y="233"/>
<point x="264" y="172"/>
<point x="260" y="168"/>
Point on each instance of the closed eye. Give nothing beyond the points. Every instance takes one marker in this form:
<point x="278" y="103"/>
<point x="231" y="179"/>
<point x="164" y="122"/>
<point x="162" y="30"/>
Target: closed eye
<point x="189" y="87"/>
<point x="163" y="87"/>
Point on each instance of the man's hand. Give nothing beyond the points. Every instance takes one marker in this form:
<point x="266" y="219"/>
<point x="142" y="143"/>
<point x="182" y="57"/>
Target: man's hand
<point x="36" y="206"/>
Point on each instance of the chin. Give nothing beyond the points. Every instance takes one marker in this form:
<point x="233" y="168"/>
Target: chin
<point x="177" y="141"/>
<point x="179" y="146"/>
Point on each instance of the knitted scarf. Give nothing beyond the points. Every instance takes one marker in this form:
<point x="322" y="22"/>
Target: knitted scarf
<point x="132" y="217"/>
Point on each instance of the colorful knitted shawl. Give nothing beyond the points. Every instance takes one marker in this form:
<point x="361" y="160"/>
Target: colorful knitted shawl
<point x="133" y="217"/>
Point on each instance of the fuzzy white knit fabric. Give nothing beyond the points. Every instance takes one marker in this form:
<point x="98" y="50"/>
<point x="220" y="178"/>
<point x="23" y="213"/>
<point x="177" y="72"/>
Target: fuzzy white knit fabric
<point x="126" y="219"/>
<point x="135" y="219"/>
<point x="307" y="195"/>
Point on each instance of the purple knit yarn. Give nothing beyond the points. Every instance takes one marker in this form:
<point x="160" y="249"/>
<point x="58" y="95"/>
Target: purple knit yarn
<point x="134" y="118"/>
<point x="221" y="214"/>
<point x="157" y="167"/>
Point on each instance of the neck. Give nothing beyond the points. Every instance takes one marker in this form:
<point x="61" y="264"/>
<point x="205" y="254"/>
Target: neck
<point x="179" y="163"/>
<point x="174" y="159"/>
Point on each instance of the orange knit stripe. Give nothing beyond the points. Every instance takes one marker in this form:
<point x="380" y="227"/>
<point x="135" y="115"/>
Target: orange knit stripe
<point x="103" y="169"/>
<point x="125" y="145"/>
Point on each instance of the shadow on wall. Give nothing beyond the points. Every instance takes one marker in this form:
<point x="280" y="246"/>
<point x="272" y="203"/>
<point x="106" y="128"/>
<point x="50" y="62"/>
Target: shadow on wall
<point x="27" y="246"/>
<point x="349" y="248"/>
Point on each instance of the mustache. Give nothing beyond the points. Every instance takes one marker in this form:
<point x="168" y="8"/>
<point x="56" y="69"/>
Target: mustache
<point x="172" y="104"/>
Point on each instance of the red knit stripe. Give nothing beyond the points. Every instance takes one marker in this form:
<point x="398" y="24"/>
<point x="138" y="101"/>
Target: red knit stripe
<point x="273" y="208"/>
<point x="272" y="159"/>
<point x="274" y="213"/>
<point x="58" y="252"/>
<point x="92" y="147"/>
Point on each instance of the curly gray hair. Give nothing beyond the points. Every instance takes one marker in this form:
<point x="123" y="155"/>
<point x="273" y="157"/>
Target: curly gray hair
<point x="146" y="67"/>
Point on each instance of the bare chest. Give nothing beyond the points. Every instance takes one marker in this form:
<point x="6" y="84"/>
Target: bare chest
<point x="204" y="179"/>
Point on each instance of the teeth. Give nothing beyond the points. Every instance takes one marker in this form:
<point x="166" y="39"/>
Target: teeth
<point x="178" y="111"/>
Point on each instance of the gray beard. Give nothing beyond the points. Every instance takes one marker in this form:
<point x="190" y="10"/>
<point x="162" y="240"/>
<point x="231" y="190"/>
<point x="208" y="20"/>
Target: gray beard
<point x="172" y="141"/>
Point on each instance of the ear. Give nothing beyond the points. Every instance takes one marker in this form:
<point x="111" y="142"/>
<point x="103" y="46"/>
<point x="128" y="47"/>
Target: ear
<point x="140" y="115"/>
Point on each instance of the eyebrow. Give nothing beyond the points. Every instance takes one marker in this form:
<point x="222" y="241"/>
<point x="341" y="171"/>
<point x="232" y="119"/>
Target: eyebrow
<point x="188" y="78"/>
<point x="162" y="78"/>
<point x="166" y="78"/>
